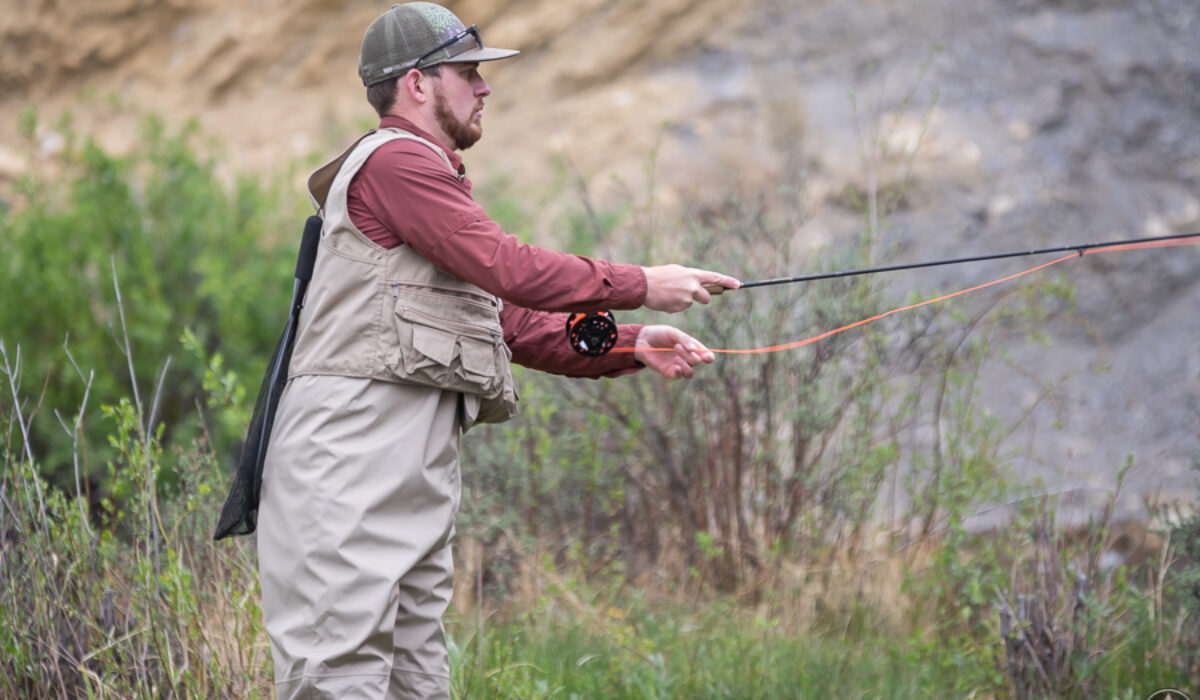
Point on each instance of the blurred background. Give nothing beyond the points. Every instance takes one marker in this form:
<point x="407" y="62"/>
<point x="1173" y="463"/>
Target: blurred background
<point x="898" y="477"/>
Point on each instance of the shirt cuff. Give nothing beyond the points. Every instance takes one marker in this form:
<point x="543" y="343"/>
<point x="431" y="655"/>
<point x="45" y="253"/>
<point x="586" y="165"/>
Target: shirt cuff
<point x="629" y="287"/>
<point x="619" y="363"/>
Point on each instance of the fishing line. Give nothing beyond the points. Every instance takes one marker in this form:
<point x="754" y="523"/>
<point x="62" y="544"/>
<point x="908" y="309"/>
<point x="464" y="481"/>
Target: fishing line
<point x="1075" y="252"/>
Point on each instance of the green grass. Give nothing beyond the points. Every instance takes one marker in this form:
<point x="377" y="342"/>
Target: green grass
<point x="720" y="649"/>
<point x="717" y="651"/>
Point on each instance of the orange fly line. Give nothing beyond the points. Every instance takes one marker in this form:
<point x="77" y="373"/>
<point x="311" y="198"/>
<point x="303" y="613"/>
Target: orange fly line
<point x="808" y="341"/>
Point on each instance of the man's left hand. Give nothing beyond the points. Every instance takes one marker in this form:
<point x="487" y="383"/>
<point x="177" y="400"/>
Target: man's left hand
<point x="688" y="352"/>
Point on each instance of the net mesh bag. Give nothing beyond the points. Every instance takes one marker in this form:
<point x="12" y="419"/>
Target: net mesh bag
<point x="239" y="515"/>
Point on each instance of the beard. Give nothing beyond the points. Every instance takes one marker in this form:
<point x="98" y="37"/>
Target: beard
<point x="462" y="134"/>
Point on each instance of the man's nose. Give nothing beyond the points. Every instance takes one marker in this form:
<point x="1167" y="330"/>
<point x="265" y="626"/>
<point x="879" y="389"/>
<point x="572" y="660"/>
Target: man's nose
<point x="482" y="89"/>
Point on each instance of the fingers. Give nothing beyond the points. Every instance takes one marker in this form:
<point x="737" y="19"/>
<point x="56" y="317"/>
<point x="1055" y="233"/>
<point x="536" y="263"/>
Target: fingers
<point x="685" y="360"/>
<point x="671" y="352"/>
<point x="679" y="369"/>
<point x="688" y="353"/>
<point x="712" y="283"/>
<point x="719" y="280"/>
<point x="678" y="365"/>
<point x="674" y="288"/>
<point x="690" y="358"/>
<point x="693" y="352"/>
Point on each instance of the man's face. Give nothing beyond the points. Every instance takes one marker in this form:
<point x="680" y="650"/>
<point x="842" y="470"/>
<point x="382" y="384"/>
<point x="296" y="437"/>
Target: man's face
<point x="458" y="103"/>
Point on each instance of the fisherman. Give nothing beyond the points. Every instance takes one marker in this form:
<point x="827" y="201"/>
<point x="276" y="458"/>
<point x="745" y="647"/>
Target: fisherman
<point x="417" y="305"/>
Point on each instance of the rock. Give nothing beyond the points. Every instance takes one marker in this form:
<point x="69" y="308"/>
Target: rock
<point x="51" y="144"/>
<point x="12" y="165"/>
<point x="1101" y="36"/>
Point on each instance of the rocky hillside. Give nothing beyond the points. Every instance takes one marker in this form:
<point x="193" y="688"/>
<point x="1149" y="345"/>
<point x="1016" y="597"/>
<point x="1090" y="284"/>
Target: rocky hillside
<point x="1007" y="123"/>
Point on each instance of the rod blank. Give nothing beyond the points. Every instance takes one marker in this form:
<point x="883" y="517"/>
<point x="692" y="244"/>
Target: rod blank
<point x="1080" y="249"/>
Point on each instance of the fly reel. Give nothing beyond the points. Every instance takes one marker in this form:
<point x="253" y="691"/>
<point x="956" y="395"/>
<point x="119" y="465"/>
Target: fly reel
<point x="592" y="334"/>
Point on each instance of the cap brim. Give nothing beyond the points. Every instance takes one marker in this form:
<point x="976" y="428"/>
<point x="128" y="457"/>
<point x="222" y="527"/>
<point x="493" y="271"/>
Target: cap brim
<point x="487" y="53"/>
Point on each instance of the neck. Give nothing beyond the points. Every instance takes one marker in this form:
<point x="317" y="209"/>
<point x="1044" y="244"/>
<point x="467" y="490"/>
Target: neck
<point x="425" y="122"/>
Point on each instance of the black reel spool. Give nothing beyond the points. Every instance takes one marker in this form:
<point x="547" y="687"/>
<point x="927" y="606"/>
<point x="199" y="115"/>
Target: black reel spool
<point x="592" y="334"/>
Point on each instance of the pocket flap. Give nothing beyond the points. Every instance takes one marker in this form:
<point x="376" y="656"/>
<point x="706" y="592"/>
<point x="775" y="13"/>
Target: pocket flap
<point x="478" y="357"/>
<point x="437" y="345"/>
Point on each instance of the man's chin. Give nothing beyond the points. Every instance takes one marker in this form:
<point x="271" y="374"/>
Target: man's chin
<point x="470" y="137"/>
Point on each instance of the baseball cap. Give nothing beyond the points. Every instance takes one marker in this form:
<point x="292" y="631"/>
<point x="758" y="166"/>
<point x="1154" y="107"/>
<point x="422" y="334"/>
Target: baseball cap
<point x="419" y="35"/>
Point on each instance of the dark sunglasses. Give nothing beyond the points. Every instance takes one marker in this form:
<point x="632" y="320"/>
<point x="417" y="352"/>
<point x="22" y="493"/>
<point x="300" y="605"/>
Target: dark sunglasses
<point x="452" y="51"/>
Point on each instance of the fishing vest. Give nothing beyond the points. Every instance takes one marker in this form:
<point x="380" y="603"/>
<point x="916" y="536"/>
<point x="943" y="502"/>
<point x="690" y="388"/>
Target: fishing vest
<point x="390" y="314"/>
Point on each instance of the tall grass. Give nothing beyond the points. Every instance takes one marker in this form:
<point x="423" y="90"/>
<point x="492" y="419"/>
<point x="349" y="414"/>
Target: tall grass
<point x="139" y="603"/>
<point x="787" y="525"/>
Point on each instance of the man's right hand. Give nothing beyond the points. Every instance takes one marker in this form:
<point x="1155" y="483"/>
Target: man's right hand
<point x="673" y="288"/>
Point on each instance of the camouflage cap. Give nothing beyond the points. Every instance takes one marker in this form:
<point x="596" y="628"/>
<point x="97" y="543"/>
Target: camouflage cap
<point x="419" y="35"/>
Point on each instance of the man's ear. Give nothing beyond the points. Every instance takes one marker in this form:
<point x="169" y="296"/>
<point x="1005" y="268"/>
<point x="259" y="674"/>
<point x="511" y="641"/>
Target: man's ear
<point x="416" y="84"/>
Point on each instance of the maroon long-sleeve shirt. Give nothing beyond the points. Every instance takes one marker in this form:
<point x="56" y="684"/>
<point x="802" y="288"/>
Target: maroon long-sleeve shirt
<point x="404" y="195"/>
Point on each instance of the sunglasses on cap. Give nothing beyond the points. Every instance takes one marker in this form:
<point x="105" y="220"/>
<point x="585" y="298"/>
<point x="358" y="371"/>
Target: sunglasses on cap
<point x="463" y="46"/>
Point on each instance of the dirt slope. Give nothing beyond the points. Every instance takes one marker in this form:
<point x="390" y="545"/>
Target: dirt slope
<point x="276" y="80"/>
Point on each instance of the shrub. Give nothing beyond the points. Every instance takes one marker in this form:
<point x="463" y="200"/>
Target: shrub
<point x="193" y="252"/>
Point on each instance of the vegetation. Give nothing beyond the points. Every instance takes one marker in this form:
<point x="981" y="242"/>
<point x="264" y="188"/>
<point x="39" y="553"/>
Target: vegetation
<point x="194" y="252"/>
<point x="785" y="525"/>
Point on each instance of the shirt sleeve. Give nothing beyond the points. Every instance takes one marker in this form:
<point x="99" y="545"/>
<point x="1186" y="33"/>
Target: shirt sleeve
<point x="538" y="340"/>
<point x="408" y="190"/>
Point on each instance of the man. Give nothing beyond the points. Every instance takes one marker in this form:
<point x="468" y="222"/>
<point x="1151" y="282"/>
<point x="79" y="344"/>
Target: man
<point x="403" y="343"/>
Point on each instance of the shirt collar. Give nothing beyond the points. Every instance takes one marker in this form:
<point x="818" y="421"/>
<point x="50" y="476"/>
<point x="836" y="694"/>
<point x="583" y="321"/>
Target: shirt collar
<point x="392" y="121"/>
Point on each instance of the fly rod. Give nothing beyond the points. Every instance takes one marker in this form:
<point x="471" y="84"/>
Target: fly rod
<point x="1080" y="249"/>
<point x="594" y="334"/>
